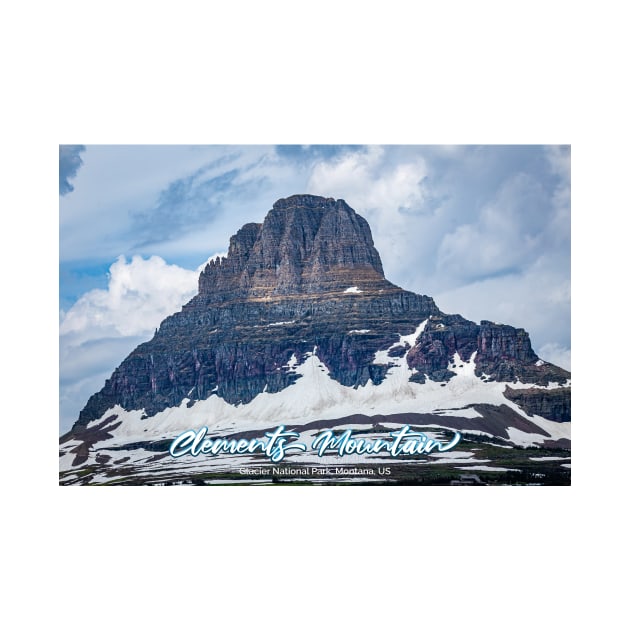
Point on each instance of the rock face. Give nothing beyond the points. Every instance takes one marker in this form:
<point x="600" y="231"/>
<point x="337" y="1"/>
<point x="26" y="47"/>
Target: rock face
<point x="309" y="276"/>
<point x="503" y="353"/>
<point x="306" y="245"/>
<point x="554" y="404"/>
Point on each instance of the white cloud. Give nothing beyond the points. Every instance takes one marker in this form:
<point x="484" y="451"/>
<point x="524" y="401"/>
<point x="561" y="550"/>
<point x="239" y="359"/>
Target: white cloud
<point x="369" y="181"/>
<point x="387" y="190"/>
<point x="140" y="294"/>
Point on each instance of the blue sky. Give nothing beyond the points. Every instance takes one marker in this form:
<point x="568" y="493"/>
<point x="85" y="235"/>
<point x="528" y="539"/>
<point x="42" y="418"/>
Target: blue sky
<point x="485" y="230"/>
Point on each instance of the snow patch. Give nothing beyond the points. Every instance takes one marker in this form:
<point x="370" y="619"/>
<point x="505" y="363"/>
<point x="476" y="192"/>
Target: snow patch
<point x="353" y="290"/>
<point x="552" y="385"/>
<point x="452" y="455"/>
<point x="292" y="363"/>
<point x="469" y="412"/>
<point x="489" y="468"/>
<point x="556" y="431"/>
<point x="411" y="339"/>
<point x="548" y="459"/>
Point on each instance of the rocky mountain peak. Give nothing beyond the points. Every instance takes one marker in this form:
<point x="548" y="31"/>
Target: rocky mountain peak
<point x="307" y="201"/>
<point x="306" y="245"/>
<point x="308" y="281"/>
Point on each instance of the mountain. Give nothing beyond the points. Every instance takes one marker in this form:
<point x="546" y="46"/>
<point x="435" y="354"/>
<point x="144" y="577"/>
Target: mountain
<point x="299" y="326"/>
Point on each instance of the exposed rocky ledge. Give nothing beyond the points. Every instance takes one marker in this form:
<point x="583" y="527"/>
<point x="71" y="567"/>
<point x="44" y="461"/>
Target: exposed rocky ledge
<point x="553" y="404"/>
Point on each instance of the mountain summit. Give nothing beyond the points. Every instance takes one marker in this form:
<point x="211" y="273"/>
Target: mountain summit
<point x="298" y="324"/>
<point x="306" y="245"/>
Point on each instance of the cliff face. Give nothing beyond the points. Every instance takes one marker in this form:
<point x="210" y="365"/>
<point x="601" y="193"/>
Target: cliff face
<point x="305" y="245"/>
<point x="308" y="277"/>
<point x="503" y="353"/>
<point x="553" y="404"/>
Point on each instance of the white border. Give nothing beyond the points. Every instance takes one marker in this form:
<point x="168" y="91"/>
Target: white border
<point x="422" y="73"/>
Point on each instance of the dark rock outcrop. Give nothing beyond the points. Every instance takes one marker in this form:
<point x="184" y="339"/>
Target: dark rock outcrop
<point x="504" y="353"/>
<point x="442" y="337"/>
<point x="553" y="404"/>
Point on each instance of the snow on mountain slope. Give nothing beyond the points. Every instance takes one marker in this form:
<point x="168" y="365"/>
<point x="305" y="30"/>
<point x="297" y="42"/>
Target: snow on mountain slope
<point x="316" y="396"/>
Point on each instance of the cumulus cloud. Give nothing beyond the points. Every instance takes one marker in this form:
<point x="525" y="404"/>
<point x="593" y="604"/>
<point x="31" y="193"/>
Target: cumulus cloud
<point x="368" y="180"/>
<point x="69" y="163"/>
<point x="140" y="294"/>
